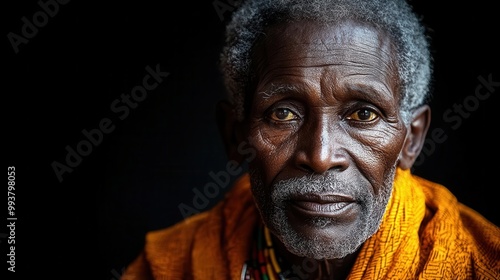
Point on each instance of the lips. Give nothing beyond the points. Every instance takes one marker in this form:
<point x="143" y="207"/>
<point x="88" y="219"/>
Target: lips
<point x="327" y="205"/>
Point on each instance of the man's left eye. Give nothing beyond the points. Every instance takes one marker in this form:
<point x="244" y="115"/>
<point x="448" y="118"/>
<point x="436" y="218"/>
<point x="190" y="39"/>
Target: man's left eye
<point x="363" y="115"/>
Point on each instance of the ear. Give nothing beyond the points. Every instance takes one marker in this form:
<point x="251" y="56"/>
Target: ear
<point x="230" y="130"/>
<point x="415" y="137"/>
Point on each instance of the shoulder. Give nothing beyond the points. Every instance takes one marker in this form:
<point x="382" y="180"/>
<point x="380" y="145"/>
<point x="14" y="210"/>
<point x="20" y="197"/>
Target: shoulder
<point x="235" y="204"/>
<point x="464" y="232"/>
<point x="177" y="235"/>
<point x="440" y="200"/>
<point x="200" y="241"/>
<point x="167" y="247"/>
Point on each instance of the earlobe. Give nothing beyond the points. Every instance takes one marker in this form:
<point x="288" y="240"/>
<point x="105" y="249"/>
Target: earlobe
<point x="229" y="130"/>
<point x="415" y="136"/>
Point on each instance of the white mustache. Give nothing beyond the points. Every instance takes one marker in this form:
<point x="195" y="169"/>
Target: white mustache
<point x="313" y="184"/>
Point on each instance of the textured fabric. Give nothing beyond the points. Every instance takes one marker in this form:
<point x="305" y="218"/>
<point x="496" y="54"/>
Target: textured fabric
<point x="425" y="234"/>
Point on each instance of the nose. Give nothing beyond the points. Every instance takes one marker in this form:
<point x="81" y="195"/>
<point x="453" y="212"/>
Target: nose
<point x="321" y="147"/>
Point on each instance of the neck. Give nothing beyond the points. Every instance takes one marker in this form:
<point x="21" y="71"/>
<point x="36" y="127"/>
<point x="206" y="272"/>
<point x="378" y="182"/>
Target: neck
<point x="306" y="268"/>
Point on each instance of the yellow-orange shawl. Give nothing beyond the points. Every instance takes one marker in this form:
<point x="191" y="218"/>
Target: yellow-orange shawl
<point x="425" y="234"/>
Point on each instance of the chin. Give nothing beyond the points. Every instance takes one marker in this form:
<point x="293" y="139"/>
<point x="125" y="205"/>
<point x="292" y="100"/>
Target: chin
<point x="320" y="238"/>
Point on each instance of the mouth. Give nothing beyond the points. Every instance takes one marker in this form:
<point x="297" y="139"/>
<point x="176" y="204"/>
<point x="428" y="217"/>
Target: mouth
<point x="322" y="205"/>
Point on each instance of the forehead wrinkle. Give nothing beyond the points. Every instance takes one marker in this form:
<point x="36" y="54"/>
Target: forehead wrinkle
<point x="305" y="56"/>
<point x="372" y="90"/>
<point x="366" y="53"/>
<point x="276" y="89"/>
<point x="372" y="63"/>
<point x="337" y="56"/>
<point x="379" y="83"/>
<point x="294" y="81"/>
<point x="380" y="55"/>
<point x="376" y="49"/>
<point x="358" y="80"/>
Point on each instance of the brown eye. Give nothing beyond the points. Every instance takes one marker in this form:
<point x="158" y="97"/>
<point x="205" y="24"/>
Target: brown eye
<point x="282" y="115"/>
<point x="363" y="115"/>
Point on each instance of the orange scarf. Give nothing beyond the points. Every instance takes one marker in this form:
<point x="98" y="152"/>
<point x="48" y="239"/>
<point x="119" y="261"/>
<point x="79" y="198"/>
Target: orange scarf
<point x="425" y="234"/>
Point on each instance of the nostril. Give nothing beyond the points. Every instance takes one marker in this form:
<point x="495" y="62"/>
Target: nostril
<point x="306" y="168"/>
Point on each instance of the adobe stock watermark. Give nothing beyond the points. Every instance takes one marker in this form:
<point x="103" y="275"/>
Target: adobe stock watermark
<point x="30" y="27"/>
<point x="221" y="179"/>
<point x="121" y="107"/>
<point x="223" y="6"/>
<point x="456" y="114"/>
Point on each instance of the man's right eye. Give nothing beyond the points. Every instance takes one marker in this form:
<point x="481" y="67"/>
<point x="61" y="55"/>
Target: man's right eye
<point x="282" y="115"/>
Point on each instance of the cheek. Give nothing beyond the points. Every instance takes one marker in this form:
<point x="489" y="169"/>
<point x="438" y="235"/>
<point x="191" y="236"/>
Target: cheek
<point x="378" y="153"/>
<point x="273" y="150"/>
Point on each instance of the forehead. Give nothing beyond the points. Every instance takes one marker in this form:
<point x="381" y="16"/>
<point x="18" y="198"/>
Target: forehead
<point x="309" y="37"/>
<point x="346" y="51"/>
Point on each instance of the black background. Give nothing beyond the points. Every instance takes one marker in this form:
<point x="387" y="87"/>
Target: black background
<point x="92" y="224"/>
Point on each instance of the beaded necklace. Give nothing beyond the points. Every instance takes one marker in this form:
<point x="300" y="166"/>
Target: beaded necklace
<point x="263" y="265"/>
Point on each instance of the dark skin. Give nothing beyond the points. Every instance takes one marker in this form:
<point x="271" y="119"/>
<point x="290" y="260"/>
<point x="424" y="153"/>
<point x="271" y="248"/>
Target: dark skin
<point x="326" y="101"/>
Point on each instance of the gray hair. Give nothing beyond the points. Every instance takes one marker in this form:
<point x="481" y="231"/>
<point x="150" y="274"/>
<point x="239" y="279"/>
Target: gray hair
<point x="395" y="17"/>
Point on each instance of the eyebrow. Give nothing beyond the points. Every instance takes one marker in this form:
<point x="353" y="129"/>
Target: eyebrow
<point x="277" y="89"/>
<point x="374" y="92"/>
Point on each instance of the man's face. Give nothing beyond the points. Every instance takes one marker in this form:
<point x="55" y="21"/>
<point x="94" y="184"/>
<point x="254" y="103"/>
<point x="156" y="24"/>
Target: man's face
<point x="325" y="123"/>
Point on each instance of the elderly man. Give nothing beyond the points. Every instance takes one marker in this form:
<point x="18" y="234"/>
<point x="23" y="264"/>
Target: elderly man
<point x="329" y="99"/>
